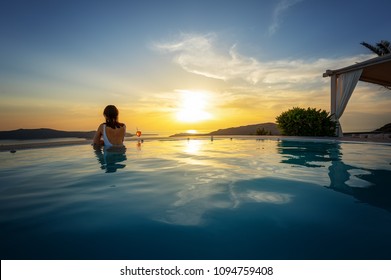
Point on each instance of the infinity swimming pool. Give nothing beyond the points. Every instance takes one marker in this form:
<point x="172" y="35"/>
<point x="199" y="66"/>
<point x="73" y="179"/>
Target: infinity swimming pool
<point x="198" y="199"/>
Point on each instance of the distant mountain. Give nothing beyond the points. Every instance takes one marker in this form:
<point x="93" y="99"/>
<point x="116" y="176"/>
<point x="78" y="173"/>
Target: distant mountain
<point x="248" y="129"/>
<point x="384" y="129"/>
<point x="241" y="130"/>
<point x="45" y="133"/>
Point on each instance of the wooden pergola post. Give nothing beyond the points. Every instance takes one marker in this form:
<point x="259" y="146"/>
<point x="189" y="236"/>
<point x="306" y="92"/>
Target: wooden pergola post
<point x="333" y="95"/>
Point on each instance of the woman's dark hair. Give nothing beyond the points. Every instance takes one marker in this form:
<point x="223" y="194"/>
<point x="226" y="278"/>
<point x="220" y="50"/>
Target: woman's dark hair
<point x="111" y="115"/>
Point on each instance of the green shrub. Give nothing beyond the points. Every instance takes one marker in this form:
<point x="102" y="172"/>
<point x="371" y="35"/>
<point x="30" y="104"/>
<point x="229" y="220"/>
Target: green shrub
<point x="306" y="122"/>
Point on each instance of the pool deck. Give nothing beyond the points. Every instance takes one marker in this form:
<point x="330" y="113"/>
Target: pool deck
<point x="380" y="139"/>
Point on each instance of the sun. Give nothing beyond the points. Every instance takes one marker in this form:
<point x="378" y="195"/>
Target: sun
<point x="193" y="107"/>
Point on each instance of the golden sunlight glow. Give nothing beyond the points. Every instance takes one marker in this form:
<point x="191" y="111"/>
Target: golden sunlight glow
<point x="192" y="107"/>
<point x="191" y="131"/>
<point x="193" y="146"/>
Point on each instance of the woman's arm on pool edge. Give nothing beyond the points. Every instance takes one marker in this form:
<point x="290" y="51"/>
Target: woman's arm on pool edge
<point x="97" y="142"/>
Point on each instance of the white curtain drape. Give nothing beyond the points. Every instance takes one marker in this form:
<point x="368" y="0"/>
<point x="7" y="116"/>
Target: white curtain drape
<point x="345" y="86"/>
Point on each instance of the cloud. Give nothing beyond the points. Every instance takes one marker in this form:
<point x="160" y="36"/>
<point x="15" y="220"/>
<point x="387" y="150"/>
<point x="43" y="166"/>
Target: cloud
<point x="251" y="82"/>
<point x="281" y="7"/>
<point x="202" y="55"/>
<point x="197" y="54"/>
<point x="273" y="85"/>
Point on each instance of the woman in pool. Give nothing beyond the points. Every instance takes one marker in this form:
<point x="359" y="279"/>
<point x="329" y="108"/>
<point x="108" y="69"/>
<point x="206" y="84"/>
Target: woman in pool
<point x="112" y="131"/>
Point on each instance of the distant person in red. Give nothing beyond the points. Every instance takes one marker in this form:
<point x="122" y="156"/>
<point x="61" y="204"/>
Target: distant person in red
<point x="112" y="131"/>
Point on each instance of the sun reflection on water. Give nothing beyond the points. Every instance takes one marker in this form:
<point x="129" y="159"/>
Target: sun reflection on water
<point x="193" y="146"/>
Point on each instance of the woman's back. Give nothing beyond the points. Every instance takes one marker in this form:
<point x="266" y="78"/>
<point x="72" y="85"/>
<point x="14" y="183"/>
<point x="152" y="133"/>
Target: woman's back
<point x="115" y="136"/>
<point x="112" y="131"/>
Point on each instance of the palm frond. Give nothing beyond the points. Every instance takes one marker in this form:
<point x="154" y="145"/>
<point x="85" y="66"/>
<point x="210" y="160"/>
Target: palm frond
<point x="374" y="49"/>
<point x="384" y="46"/>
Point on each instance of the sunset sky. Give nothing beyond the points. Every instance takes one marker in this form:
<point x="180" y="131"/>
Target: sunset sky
<point x="172" y="66"/>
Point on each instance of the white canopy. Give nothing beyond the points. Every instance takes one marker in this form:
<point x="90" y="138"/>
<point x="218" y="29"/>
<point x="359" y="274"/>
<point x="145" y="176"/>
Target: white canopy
<point x="344" y="80"/>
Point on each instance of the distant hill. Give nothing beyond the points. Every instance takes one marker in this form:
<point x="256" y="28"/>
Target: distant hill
<point x="240" y="130"/>
<point x="248" y="129"/>
<point x="384" y="129"/>
<point x="45" y="133"/>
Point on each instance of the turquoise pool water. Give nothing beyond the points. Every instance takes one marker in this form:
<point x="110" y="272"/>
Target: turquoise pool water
<point x="198" y="199"/>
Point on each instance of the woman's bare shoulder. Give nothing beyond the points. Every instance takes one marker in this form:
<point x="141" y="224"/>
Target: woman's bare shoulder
<point x="100" y="127"/>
